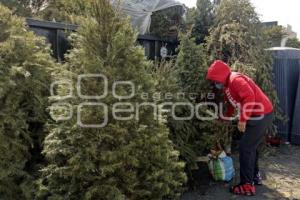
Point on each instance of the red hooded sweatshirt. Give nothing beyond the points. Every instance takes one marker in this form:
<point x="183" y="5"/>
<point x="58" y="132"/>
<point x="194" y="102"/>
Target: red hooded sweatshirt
<point x="240" y="91"/>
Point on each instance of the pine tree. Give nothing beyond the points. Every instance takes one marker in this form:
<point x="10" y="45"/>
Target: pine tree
<point x="25" y="64"/>
<point x="66" y="10"/>
<point x="274" y="35"/>
<point x="166" y="22"/>
<point x="233" y="32"/>
<point x="25" y="8"/>
<point x="189" y="21"/>
<point x="193" y="138"/>
<point x="132" y="159"/>
<point x="203" y="20"/>
<point x="294" y="43"/>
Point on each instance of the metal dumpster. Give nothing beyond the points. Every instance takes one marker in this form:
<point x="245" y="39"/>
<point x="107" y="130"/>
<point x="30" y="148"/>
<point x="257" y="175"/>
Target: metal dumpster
<point x="295" y="131"/>
<point x="286" y="67"/>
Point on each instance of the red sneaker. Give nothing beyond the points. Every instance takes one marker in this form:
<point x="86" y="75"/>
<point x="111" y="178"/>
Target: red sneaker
<point x="246" y="189"/>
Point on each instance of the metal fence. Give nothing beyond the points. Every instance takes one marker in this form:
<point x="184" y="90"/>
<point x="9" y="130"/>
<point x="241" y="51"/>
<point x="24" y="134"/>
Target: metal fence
<point x="57" y="33"/>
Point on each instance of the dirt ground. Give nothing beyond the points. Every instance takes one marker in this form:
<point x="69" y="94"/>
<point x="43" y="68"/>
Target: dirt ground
<point x="281" y="171"/>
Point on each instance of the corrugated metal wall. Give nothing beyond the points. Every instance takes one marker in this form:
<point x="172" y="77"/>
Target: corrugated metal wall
<point x="295" y="132"/>
<point x="286" y="77"/>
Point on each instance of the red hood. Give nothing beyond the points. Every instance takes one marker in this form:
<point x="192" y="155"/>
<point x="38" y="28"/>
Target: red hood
<point x="218" y="71"/>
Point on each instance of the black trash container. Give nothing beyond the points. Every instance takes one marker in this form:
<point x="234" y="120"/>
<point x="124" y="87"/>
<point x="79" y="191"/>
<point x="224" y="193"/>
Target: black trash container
<point x="286" y="67"/>
<point x="295" y="132"/>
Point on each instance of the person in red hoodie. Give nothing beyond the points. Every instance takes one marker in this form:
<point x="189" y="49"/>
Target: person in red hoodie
<point x="255" y="116"/>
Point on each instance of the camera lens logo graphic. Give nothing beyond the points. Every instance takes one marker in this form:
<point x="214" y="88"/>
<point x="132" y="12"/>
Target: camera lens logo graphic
<point x="62" y="111"/>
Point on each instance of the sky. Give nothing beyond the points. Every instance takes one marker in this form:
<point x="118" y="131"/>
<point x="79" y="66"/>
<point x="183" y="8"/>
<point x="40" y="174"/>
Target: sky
<point x="283" y="11"/>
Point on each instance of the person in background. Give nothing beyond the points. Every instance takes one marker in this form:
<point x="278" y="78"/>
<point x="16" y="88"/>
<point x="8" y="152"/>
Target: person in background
<point x="256" y="115"/>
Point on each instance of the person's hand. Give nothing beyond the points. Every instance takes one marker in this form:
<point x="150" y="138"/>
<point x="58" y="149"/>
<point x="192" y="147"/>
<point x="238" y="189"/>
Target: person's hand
<point x="242" y="126"/>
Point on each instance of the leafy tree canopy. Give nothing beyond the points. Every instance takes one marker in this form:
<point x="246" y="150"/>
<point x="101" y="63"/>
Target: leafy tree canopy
<point x="294" y="42"/>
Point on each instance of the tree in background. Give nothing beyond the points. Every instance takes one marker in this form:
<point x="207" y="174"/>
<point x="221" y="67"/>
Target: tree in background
<point x="132" y="159"/>
<point x="274" y="35"/>
<point x="189" y="22"/>
<point x="66" y="10"/>
<point x="233" y="32"/>
<point x="203" y="20"/>
<point x="294" y="42"/>
<point x="167" y="22"/>
<point x="25" y="67"/>
<point x="25" y="8"/>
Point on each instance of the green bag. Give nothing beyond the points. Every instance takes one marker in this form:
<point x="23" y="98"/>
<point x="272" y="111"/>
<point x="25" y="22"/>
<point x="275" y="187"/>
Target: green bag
<point x="221" y="168"/>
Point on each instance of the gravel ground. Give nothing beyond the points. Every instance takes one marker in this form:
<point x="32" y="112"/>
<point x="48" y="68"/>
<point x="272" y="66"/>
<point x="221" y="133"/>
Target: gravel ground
<point x="281" y="172"/>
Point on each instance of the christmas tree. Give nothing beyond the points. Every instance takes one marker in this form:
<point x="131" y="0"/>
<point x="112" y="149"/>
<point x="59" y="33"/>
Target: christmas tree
<point x="195" y="137"/>
<point x="166" y="22"/>
<point x="25" y="8"/>
<point x="25" y="66"/>
<point x="203" y="20"/>
<point x="66" y="10"/>
<point x="125" y="159"/>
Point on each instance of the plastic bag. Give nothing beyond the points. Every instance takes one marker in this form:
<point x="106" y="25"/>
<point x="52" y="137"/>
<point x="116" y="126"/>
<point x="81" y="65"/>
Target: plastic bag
<point x="140" y="11"/>
<point x="221" y="168"/>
